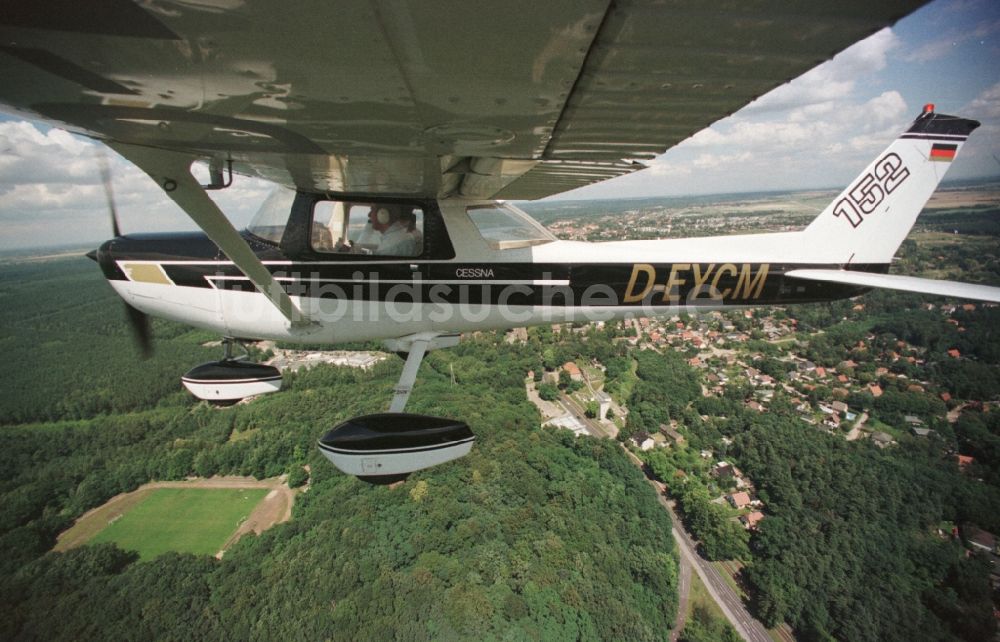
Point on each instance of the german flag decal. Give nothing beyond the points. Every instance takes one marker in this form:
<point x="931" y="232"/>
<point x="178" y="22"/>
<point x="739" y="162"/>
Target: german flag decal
<point x="943" y="152"/>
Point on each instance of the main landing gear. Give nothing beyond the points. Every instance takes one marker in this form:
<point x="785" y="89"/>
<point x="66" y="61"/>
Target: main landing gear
<point x="386" y="447"/>
<point x="233" y="378"/>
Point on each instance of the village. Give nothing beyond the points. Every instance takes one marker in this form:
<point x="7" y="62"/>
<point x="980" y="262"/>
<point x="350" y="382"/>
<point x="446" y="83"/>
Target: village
<point x="762" y="357"/>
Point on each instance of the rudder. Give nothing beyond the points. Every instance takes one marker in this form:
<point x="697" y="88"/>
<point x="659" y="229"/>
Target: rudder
<point x="869" y="220"/>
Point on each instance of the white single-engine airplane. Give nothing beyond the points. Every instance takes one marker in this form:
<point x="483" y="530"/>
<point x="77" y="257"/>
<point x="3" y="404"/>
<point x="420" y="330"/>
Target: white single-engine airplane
<point x="393" y="128"/>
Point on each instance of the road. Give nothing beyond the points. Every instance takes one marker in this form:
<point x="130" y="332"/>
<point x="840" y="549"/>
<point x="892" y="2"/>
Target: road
<point x="729" y="601"/>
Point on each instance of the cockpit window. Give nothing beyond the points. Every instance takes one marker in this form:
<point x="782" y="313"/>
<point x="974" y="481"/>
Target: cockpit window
<point x="506" y="227"/>
<point x="381" y="229"/>
<point x="269" y="221"/>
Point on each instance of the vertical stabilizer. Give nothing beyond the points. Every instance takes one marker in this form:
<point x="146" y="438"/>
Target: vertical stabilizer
<point x="869" y="220"/>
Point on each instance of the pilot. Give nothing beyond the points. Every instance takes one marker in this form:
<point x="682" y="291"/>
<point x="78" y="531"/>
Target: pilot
<point x="410" y="218"/>
<point x="370" y="236"/>
<point x="397" y="239"/>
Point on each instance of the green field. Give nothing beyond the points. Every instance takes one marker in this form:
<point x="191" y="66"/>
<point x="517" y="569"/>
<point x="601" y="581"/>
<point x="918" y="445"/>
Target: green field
<point x="186" y="520"/>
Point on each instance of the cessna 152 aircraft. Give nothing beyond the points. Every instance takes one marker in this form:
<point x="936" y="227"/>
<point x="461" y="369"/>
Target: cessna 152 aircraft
<point x="393" y="129"/>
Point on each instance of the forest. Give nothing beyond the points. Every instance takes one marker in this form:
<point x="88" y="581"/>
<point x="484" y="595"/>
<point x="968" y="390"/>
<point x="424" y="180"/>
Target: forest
<point x="535" y="535"/>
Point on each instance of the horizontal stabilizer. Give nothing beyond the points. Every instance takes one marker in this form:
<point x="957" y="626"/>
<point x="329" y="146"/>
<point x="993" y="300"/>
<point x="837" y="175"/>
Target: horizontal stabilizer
<point x="897" y="282"/>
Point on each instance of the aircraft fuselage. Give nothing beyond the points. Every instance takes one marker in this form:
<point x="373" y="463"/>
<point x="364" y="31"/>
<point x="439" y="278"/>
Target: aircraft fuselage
<point x="184" y="277"/>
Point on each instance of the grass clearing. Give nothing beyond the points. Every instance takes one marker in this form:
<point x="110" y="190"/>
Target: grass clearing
<point x="185" y="520"/>
<point x="705" y="620"/>
<point x="699" y="598"/>
<point x="627" y="383"/>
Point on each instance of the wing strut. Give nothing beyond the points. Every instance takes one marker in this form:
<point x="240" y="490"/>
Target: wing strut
<point x="172" y="172"/>
<point x="415" y="346"/>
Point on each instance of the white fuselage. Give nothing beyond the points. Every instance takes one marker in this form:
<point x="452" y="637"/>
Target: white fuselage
<point x="470" y="292"/>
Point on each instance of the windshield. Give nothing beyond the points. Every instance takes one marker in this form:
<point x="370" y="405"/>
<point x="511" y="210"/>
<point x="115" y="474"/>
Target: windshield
<point x="269" y="221"/>
<point x="505" y="227"/>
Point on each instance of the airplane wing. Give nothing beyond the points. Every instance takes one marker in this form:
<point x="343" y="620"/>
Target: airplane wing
<point x="899" y="282"/>
<point x="518" y="99"/>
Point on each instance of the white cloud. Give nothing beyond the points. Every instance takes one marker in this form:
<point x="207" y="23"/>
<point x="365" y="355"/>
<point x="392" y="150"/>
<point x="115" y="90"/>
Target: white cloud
<point x="986" y="105"/>
<point x="51" y="191"/>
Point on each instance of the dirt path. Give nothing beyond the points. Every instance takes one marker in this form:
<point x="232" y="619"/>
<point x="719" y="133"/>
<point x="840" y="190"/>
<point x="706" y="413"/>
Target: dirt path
<point x="684" y="594"/>
<point x="855" y="432"/>
<point x="275" y="508"/>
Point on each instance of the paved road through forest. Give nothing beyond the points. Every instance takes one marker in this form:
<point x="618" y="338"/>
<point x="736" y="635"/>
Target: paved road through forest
<point x="748" y="627"/>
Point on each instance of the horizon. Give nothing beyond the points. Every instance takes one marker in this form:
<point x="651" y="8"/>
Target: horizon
<point x="81" y="246"/>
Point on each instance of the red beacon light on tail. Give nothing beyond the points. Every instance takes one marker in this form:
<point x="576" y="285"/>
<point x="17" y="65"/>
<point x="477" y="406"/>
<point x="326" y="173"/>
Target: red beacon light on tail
<point x="929" y="108"/>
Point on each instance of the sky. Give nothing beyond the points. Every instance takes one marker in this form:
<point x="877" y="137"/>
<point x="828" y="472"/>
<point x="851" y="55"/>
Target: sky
<point x="818" y="131"/>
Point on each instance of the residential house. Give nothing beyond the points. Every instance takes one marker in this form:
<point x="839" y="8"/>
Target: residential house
<point x="574" y="371"/>
<point x="882" y="439"/>
<point x="643" y="441"/>
<point x="672" y="434"/>
<point x="723" y="471"/>
<point x="979" y="540"/>
<point x="751" y="520"/>
<point x="739" y="500"/>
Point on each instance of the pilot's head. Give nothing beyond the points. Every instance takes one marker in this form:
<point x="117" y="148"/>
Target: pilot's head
<point x="381" y="217"/>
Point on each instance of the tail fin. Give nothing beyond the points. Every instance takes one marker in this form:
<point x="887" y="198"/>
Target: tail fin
<point x="869" y="220"/>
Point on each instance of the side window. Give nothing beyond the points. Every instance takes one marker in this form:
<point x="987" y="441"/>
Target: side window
<point x="505" y="227"/>
<point x="366" y="228"/>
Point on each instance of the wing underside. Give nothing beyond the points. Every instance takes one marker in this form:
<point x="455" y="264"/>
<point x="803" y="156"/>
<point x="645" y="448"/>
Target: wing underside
<point x="518" y="99"/>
